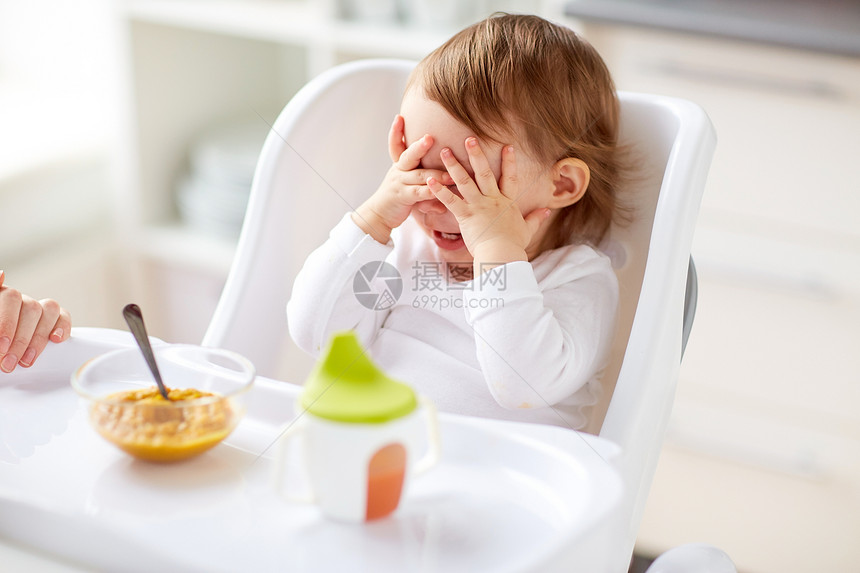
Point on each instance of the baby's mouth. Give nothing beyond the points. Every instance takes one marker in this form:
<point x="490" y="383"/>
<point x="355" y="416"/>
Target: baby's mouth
<point x="448" y="241"/>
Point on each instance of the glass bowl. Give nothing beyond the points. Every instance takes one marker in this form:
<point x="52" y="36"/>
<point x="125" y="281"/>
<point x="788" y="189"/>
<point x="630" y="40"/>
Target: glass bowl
<point x="208" y="389"/>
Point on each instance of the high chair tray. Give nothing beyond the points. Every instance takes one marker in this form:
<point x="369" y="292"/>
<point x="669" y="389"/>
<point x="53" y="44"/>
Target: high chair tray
<point x="504" y="496"/>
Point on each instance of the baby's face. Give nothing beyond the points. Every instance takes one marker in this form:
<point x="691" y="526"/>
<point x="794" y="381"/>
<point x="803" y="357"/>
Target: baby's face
<point x="423" y="116"/>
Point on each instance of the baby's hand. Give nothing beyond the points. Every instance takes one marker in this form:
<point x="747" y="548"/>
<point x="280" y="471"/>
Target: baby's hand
<point x="26" y="325"/>
<point x="493" y="228"/>
<point x="404" y="185"/>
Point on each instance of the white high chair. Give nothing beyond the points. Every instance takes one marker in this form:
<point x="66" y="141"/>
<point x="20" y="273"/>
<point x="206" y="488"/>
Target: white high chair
<point x="320" y="160"/>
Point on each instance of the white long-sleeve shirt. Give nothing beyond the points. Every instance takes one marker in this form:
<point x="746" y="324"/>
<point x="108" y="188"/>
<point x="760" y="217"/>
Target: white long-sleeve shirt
<point x="525" y="341"/>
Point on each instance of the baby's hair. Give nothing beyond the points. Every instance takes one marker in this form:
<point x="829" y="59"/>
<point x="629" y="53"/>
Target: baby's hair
<point x="518" y="75"/>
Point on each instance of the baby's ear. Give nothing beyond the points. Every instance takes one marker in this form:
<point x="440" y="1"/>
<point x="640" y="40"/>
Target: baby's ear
<point x="570" y="177"/>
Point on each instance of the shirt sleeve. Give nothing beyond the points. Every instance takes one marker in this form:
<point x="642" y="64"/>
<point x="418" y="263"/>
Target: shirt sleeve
<point x="537" y="347"/>
<point x="323" y="301"/>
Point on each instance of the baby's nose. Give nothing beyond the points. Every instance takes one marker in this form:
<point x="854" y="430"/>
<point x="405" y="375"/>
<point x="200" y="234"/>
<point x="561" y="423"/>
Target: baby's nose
<point x="430" y="206"/>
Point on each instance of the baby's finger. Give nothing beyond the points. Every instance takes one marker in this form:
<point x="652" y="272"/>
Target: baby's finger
<point x="412" y="156"/>
<point x="484" y="176"/>
<point x="28" y="318"/>
<point x="420" y="176"/>
<point x="508" y="182"/>
<point x="464" y="182"/>
<point x="536" y="218"/>
<point x="396" y="146"/>
<point x="418" y="193"/>
<point x="445" y="196"/>
<point x="51" y="316"/>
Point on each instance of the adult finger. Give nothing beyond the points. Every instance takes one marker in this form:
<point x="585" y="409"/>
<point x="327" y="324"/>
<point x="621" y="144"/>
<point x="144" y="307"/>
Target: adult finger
<point x="63" y="327"/>
<point x="484" y="176"/>
<point x="28" y="318"/>
<point x="46" y="326"/>
<point x="10" y="308"/>
<point x="396" y="146"/>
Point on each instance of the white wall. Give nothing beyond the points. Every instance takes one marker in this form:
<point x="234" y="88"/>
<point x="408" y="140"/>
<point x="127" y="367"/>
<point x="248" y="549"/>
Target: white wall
<point x="58" y="112"/>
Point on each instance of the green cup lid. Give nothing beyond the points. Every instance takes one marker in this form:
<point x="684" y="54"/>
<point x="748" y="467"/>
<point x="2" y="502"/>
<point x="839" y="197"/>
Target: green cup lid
<point x="346" y="386"/>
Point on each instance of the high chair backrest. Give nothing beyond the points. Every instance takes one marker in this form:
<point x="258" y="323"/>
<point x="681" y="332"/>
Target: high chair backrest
<point x="672" y="142"/>
<point x="327" y="151"/>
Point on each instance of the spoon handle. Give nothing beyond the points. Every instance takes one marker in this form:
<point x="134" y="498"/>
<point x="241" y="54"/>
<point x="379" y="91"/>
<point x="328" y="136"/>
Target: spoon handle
<point x="134" y="318"/>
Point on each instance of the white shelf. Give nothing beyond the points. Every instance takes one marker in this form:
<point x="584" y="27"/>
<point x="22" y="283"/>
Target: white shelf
<point x="176" y="244"/>
<point x="289" y="22"/>
<point x="264" y="20"/>
<point x="241" y="31"/>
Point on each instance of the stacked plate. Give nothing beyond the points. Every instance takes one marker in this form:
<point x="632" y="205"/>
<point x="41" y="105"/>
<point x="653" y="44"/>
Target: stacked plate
<point x="213" y="195"/>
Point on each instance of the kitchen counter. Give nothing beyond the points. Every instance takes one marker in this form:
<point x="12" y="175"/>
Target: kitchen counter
<point x="830" y="26"/>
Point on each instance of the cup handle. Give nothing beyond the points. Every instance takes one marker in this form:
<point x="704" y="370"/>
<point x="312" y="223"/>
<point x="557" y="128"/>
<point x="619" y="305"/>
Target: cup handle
<point x="280" y="466"/>
<point x="434" y="449"/>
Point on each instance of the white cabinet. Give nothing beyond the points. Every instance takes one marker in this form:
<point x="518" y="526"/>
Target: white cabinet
<point x="763" y="452"/>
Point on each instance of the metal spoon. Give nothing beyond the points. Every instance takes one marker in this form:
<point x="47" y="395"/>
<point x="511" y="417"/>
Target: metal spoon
<point x="134" y="318"/>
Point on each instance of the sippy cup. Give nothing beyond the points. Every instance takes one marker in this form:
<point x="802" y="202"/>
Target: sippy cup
<point x="361" y="434"/>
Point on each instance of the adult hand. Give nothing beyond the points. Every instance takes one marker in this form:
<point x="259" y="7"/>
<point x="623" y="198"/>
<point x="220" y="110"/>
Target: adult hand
<point x="26" y="326"/>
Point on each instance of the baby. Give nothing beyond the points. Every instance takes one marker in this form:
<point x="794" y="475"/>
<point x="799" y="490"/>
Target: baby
<point x="505" y="163"/>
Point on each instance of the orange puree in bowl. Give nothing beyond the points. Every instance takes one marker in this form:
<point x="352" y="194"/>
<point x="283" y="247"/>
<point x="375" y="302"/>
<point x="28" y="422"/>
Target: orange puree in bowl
<point x="145" y="425"/>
